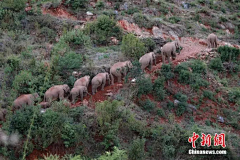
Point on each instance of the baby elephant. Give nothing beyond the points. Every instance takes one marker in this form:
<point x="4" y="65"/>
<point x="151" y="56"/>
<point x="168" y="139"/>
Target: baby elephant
<point x="169" y="50"/>
<point x="98" y="80"/>
<point x="25" y="99"/>
<point x="147" y="60"/>
<point x="84" y="81"/>
<point x="78" y="91"/>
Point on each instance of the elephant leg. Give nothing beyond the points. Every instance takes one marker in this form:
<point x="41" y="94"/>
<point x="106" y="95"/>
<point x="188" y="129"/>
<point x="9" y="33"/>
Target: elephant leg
<point x="73" y="98"/>
<point x="119" y="79"/>
<point x="169" y="59"/>
<point x="61" y="95"/>
<point x="93" y="90"/>
<point x="163" y="58"/>
<point x="150" y="66"/>
<point x="103" y="84"/>
<point x="81" y="94"/>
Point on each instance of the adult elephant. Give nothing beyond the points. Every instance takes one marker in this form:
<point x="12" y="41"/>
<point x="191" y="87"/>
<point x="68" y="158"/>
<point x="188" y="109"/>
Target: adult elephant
<point x="55" y="92"/>
<point x="78" y="91"/>
<point x="212" y="41"/>
<point x="147" y="60"/>
<point x="169" y="50"/>
<point x="118" y="69"/>
<point x="24" y="100"/>
<point x="98" y="80"/>
<point x="84" y="81"/>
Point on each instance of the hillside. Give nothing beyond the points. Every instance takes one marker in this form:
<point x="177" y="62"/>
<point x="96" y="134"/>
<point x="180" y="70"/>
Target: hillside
<point x="42" y="43"/>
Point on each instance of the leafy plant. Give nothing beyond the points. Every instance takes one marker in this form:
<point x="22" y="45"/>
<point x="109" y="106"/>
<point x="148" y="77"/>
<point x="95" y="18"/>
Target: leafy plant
<point x="132" y="46"/>
<point x="181" y="108"/>
<point x="142" y="20"/>
<point x="216" y="64"/>
<point x="22" y="82"/>
<point x="147" y="105"/>
<point x="181" y="97"/>
<point x="158" y="89"/>
<point x="166" y="71"/>
<point x="136" y="151"/>
<point x="16" y="5"/>
<point x="76" y="4"/>
<point x="198" y="66"/>
<point x="145" y="86"/>
<point x="208" y="94"/>
<point x="228" y="53"/>
<point x="149" y="44"/>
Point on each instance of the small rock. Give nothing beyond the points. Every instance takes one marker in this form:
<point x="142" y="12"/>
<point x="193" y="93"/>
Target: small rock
<point x="89" y="13"/>
<point x="109" y="94"/>
<point x="119" y="85"/>
<point x="192" y="107"/>
<point x="156" y="32"/>
<point x="220" y="119"/>
<point x="85" y="102"/>
<point x="222" y="26"/>
<point x="185" y="5"/>
<point x="42" y="111"/>
<point x="133" y="80"/>
<point x="176" y="102"/>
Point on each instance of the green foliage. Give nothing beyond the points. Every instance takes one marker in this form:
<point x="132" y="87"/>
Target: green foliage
<point x="142" y="20"/>
<point x="181" y="108"/>
<point x="185" y="77"/>
<point x="166" y="71"/>
<point x="15" y="5"/>
<point x="132" y="10"/>
<point x="76" y="4"/>
<point x="158" y="89"/>
<point x="208" y="122"/>
<point x="216" y="64"/>
<point x="102" y="30"/>
<point x="136" y="151"/>
<point x="14" y="63"/>
<point x="198" y="82"/>
<point x="174" y="19"/>
<point x="198" y="66"/>
<point x="116" y="154"/>
<point x="149" y="44"/>
<point x="180" y="67"/>
<point x="22" y="82"/>
<point x="145" y="86"/>
<point x="208" y="94"/>
<point x="147" y="105"/>
<point x="170" y="105"/>
<point x="48" y="34"/>
<point x="100" y="5"/>
<point x="132" y="46"/>
<point x="228" y="53"/>
<point x="181" y="97"/>
<point x="234" y="95"/>
<point x="161" y="113"/>
<point x="70" y="61"/>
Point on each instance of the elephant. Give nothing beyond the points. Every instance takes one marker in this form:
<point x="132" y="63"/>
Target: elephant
<point x="212" y="41"/>
<point x="84" y="81"/>
<point x="147" y="60"/>
<point x="55" y="92"/>
<point x="3" y="113"/>
<point x="118" y="68"/>
<point x="169" y="50"/>
<point x="78" y="91"/>
<point x="98" y="80"/>
<point x="25" y="99"/>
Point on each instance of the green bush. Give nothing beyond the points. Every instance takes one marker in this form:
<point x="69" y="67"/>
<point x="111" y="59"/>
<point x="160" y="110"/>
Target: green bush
<point x="208" y="94"/>
<point x="161" y="113"/>
<point x="132" y="10"/>
<point x="102" y="30"/>
<point x="181" y="97"/>
<point x="185" y="76"/>
<point x="116" y="154"/>
<point x="14" y="63"/>
<point x="15" y="5"/>
<point x="182" y="66"/>
<point x="22" y="82"/>
<point x="198" y="66"/>
<point x="70" y="61"/>
<point x="132" y="46"/>
<point x="100" y="5"/>
<point x="166" y="71"/>
<point x="228" y="53"/>
<point x="174" y="19"/>
<point x="149" y="44"/>
<point x="198" y="82"/>
<point x="208" y="122"/>
<point x="48" y="33"/>
<point x="216" y="64"/>
<point x="145" y="86"/>
<point x="158" y="89"/>
<point x="147" y="105"/>
<point x="182" y="106"/>
<point x="136" y="151"/>
<point x="76" y="4"/>
<point x="142" y="20"/>
<point x="234" y="95"/>
<point x="170" y="105"/>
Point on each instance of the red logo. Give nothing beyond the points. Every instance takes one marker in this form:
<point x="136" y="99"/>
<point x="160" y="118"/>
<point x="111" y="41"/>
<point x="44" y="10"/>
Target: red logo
<point x="193" y="139"/>
<point x="219" y="140"/>
<point x="206" y="140"/>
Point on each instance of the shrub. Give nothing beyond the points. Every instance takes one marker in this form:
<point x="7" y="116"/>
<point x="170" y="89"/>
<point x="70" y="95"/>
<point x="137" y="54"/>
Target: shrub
<point x="136" y="151"/>
<point x="234" y="95"/>
<point x="132" y="10"/>
<point x="198" y="66"/>
<point x="198" y="82"/>
<point x="75" y="4"/>
<point x="70" y="61"/>
<point x="145" y="86"/>
<point x="181" y="66"/>
<point x="15" y="5"/>
<point x="147" y="105"/>
<point x="158" y="89"/>
<point x="116" y="154"/>
<point x="166" y="71"/>
<point x="228" y="53"/>
<point x="216" y="64"/>
<point x="174" y="19"/>
<point x="181" y="108"/>
<point x="170" y="105"/>
<point x="22" y="82"/>
<point x="14" y="63"/>
<point x="149" y="44"/>
<point x="132" y="46"/>
<point x="142" y="20"/>
<point x="208" y="94"/>
<point x="102" y="30"/>
<point x="181" y="97"/>
<point x="161" y="113"/>
<point x="100" y="4"/>
<point x="48" y="33"/>
<point x="208" y="122"/>
<point x="185" y="77"/>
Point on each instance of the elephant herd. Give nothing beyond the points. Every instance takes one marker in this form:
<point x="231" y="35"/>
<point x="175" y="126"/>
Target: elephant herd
<point x="118" y="69"/>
